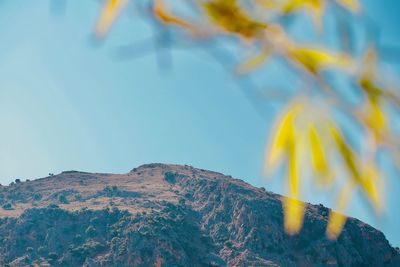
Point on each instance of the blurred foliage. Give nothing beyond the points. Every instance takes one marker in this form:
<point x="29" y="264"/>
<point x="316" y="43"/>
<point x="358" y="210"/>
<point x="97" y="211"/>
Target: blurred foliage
<point x="308" y="139"/>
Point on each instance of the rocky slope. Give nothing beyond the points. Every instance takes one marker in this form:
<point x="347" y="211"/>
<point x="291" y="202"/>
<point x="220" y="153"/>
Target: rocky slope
<point x="169" y="215"/>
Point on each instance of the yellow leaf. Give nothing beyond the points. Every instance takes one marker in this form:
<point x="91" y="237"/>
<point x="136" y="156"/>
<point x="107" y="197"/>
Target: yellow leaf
<point x="370" y="189"/>
<point x="254" y="62"/>
<point x="283" y="136"/>
<point x="373" y="116"/>
<point x="293" y="215"/>
<point x="294" y="5"/>
<point x="318" y="157"/>
<point x="364" y="178"/>
<point x="229" y="16"/>
<point x="376" y="120"/>
<point x="347" y="155"/>
<point x="368" y="75"/>
<point x="335" y="225"/>
<point x="352" y="5"/>
<point x="369" y="62"/>
<point x="161" y="14"/>
<point x="337" y="220"/>
<point x="293" y="208"/>
<point x="110" y="12"/>
<point x="315" y="7"/>
<point x="293" y="167"/>
<point x="369" y="87"/>
<point x="314" y="60"/>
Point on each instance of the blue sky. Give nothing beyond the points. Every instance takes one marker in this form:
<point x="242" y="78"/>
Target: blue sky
<point x="68" y="104"/>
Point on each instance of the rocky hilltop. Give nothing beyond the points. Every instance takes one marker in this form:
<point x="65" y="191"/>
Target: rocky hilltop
<point x="169" y="215"/>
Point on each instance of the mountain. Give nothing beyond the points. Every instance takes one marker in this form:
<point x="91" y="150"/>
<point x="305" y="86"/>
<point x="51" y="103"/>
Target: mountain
<point x="169" y="215"/>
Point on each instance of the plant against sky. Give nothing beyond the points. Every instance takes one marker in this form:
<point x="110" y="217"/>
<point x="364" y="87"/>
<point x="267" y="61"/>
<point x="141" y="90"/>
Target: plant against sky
<point x="309" y="138"/>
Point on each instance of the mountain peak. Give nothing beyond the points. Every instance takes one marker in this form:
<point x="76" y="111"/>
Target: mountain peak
<point x="163" y="215"/>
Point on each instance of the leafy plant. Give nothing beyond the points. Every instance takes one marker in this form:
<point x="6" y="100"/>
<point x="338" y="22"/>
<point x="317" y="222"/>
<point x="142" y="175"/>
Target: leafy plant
<point x="310" y="134"/>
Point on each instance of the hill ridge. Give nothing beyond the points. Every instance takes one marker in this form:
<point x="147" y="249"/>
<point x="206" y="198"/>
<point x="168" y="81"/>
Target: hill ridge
<point x="169" y="215"/>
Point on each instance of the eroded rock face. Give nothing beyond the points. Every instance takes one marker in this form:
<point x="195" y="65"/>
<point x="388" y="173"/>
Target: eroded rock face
<point x="169" y="215"/>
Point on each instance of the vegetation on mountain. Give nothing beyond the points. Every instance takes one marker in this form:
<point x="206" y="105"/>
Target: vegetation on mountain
<point x="171" y="215"/>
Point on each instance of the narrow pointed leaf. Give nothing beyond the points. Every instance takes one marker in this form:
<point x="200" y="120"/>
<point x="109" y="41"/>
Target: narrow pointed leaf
<point x="318" y="157"/>
<point x="110" y="12"/>
<point x="254" y="62"/>
<point x="314" y="60"/>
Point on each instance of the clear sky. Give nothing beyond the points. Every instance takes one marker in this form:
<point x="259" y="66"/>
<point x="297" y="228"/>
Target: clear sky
<point x="66" y="103"/>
